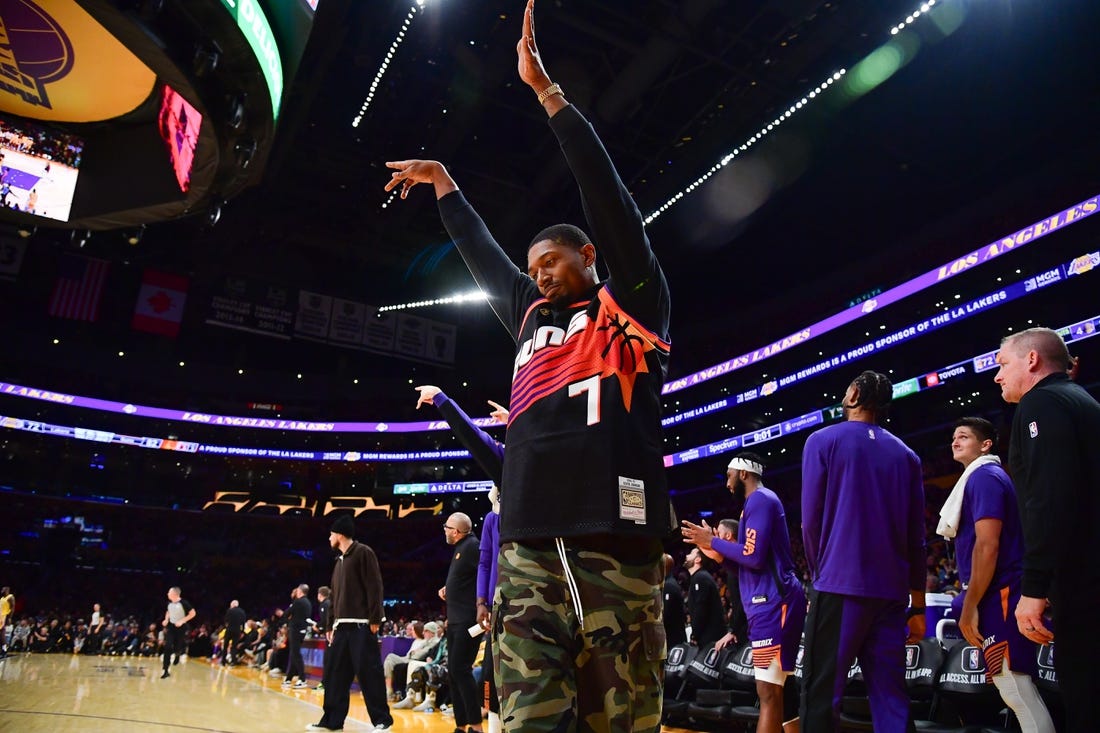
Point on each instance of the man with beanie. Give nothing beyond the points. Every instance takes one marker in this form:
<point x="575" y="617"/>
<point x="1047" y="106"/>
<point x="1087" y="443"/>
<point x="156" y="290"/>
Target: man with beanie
<point x="352" y="632"/>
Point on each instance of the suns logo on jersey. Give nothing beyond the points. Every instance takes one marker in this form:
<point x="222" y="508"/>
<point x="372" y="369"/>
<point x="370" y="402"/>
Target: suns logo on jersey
<point x="750" y="542"/>
<point x="608" y="344"/>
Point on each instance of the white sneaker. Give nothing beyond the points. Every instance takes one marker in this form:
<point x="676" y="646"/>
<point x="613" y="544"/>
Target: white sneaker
<point x="382" y="727"/>
<point x="301" y="683"/>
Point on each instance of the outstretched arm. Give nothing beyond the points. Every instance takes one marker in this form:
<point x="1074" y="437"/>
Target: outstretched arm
<point x="510" y="291"/>
<point x="486" y="450"/>
<point x="613" y="217"/>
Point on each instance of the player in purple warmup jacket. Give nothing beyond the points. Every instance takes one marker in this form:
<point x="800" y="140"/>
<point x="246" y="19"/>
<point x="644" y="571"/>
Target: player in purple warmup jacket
<point x="770" y="591"/>
<point x="863" y="529"/>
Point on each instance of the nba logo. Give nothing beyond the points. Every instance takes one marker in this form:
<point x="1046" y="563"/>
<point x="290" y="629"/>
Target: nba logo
<point x="1033" y="429"/>
<point x="1046" y="656"/>
<point x="801" y="653"/>
<point x="712" y="658"/>
<point x="972" y="660"/>
<point x="676" y="656"/>
<point x="746" y="657"/>
<point x="912" y="654"/>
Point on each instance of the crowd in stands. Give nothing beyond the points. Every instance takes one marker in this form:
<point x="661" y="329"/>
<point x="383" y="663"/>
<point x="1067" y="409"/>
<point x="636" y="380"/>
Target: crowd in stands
<point x="51" y="145"/>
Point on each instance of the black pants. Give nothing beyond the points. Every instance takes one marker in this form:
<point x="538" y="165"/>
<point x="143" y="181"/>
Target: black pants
<point x="838" y="629"/>
<point x="1077" y="647"/>
<point x="488" y="674"/>
<point x="173" y="643"/>
<point x="354" y="654"/>
<point x="295" y="665"/>
<point x="231" y="644"/>
<point x="461" y="650"/>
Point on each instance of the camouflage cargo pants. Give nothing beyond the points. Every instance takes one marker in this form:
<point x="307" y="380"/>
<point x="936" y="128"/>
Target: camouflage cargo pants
<point x="554" y="675"/>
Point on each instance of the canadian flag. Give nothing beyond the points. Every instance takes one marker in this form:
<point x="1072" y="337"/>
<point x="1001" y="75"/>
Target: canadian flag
<point x="160" y="303"/>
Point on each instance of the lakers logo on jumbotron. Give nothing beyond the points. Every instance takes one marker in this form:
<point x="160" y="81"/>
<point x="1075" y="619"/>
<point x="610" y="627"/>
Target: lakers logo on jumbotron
<point x="53" y="51"/>
<point x="34" y="51"/>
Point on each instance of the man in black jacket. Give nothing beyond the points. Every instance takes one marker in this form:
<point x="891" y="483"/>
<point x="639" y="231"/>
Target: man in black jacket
<point x="460" y="594"/>
<point x="708" y="617"/>
<point x="296" y="624"/>
<point x="352" y="632"/>
<point x="234" y="628"/>
<point x="675" y="617"/>
<point x="1055" y="463"/>
<point x="577" y="633"/>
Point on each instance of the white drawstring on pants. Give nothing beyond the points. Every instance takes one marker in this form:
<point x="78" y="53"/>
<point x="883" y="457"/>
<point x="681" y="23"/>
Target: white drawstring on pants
<point x="573" y="591"/>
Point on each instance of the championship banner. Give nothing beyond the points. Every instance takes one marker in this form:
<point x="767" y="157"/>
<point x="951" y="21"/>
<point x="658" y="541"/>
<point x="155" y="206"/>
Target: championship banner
<point x="160" y="302"/>
<point x="354" y="325"/>
<point x="253" y="306"/>
<point x="347" y="322"/>
<point x="314" y="313"/>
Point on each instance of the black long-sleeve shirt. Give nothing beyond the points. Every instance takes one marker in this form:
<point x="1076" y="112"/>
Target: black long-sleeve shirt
<point x="357" y="587"/>
<point x="298" y="614"/>
<point x="462" y="583"/>
<point x="708" y="619"/>
<point x="584" y="434"/>
<point x="674" y="615"/>
<point x="1054" y="457"/>
<point x="486" y="450"/>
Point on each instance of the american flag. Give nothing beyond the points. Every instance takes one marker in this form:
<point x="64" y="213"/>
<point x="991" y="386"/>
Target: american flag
<point x="79" y="285"/>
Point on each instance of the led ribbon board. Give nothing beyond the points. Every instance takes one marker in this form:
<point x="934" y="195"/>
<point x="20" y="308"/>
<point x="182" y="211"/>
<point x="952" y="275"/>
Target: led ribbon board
<point x="231" y="421"/>
<point x="974" y="259"/>
<point x="257" y="31"/>
<point x="1076" y="266"/>
<point x="1076" y="332"/>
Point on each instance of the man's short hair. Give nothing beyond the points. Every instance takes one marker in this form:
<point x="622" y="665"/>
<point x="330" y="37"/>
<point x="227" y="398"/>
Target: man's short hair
<point x="566" y="234"/>
<point x="303" y="589"/>
<point x="324" y="591"/>
<point x="1049" y="345"/>
<point x="980" y="426"/>
<point x="731" y="524"/>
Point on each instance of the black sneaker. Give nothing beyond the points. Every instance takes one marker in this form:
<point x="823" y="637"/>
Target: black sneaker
<point x="165" y="674"/>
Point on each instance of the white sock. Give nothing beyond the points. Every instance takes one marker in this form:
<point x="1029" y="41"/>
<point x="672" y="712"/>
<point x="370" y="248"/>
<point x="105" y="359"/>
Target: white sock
<point x="1019" y="693"/>
<point x="494" y="722"/>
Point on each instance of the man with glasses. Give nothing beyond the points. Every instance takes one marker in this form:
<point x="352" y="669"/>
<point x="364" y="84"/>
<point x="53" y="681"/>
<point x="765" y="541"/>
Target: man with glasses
<point x="460" y="595"/>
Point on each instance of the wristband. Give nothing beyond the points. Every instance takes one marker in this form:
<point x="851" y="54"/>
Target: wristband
<point x="914" y="612"/>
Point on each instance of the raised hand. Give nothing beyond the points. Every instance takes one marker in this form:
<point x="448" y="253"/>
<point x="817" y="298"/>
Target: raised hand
<point x="408" y="173"/>
<point x="499" y="413"/>
<point x="531" y="70"/>
<point x="427" y="395"/>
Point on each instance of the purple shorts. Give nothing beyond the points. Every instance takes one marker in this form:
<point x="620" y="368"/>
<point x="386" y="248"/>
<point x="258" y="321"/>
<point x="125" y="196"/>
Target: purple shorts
<point x="775" y="630"/>
<point x="1004" y="645"/>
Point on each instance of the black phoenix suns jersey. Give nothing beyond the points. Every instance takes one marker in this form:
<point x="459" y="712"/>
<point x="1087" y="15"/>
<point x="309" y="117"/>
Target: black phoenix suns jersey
<point x="584" y="430"/>
<point x="583" y="451"/>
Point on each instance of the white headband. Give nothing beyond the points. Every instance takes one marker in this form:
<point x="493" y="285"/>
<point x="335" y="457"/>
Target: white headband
<point x="742" y="464"/>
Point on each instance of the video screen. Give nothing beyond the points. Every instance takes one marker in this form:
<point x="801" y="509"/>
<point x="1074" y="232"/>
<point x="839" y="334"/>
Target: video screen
<point x="38" y="168"/>
<point x="179" y="125"/>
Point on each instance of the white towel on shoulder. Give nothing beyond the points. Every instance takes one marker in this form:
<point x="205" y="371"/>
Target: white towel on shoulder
<point x="952" y="508"/>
